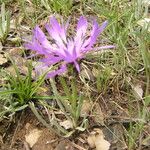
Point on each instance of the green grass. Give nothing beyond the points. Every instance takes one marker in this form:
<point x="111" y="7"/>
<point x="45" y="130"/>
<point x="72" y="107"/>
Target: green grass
<point x="70" y="102"/>
<point x="20" y="89"/>
<point x="5" y="1"/>
<point x="131" y="54"/>
<point x="4" y="23"/>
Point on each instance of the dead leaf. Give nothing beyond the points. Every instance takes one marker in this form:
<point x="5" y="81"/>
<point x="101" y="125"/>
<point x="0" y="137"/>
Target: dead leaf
<point x="67" y="124"/>
<point x="33" y="137"/>
<point x="96" y="140"/>
<point x="11" y="70"/>
<point x="2" y="59"/>
<point x="146" y="2"/>
<point x="137" y="88"/>
<point x="144" y="23"/>
<point x="91" y="141"/>
<point x="86" y="108"/>
<point x="98" y="114"/>
<point x="138" y="91"/>
<point x="15" y="52"/>
<point x="102" y="144"/>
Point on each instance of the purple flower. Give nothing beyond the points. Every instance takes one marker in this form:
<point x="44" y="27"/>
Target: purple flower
<point x="64" y="50"/>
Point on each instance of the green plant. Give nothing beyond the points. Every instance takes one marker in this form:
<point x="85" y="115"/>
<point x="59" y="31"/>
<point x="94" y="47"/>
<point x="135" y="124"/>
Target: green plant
<point x="143" y="39"/>
<point x="21" y="89"/>
<point x="70" y="104"/>
<point x="32" y="11"/>
<point x="103" y="78"/>
<point x="73" y="102"/>
<point x="5" y="1"/>
<point x="4" y="23"/>
<point x="136" y="128"/>
<point x="130" y="59"/>
<point x="59" y="6"/>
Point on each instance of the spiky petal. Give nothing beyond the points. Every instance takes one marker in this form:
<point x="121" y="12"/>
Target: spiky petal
<point x="64" y="50"/>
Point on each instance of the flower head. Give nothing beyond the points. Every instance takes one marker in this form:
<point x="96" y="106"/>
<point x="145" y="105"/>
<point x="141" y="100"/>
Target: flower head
<point x="65" y="50"/>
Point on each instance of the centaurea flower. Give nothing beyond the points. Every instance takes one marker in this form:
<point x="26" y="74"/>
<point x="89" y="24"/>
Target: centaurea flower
<point x="64" y="50"/>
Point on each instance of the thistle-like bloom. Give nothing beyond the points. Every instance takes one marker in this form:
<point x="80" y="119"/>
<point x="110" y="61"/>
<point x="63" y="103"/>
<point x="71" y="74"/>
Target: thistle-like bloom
<point x="64" y="50"/>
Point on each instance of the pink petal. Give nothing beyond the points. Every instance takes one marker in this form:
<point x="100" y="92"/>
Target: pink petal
<point x="103" y="26"/>
<point x="87" y="45"/>
<point x="40" y="36"/>
<point x="60" y="71"/>
<point x="77" y="66"/>
<point x="81" y="29"/>
<point x="81" y="26"/>
<point x="57" y="28"/>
